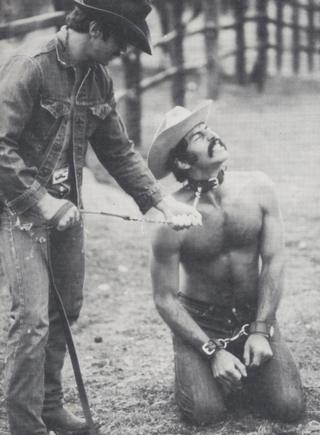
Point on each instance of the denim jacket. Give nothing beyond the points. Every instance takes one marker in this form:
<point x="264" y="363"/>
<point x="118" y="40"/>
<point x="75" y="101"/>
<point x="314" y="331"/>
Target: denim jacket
<point x="36" y="89"/>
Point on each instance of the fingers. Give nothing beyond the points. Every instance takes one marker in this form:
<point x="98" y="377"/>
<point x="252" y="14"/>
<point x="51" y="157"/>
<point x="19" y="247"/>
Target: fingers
<point x="260" y="358"/>
<point x="257" y="350"/>
<point x="256" y="360"/>
<point x="233" y="375"/>
<point x="242" y="368"/>
<point x="184" y="221"/>
<point x="246" y="355"/>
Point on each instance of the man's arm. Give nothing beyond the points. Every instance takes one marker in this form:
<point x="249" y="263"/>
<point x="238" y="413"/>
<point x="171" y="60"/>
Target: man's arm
<point x="272" y="255"/>
<point x="117" y="154"/>
<point x="20" y="80"/>
<point x="165" y="279"/>
<point x="226" y="368"/>
<point x="270" y="286"/>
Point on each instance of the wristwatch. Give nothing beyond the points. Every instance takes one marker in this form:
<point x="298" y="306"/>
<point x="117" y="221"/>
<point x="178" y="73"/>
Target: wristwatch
<point x="263" y="328"/>
<point x="210" y="348"/>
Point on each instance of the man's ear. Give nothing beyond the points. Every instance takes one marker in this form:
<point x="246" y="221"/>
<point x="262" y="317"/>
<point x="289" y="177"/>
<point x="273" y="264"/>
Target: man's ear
<point x="182" y="165"/>
<point x="95" y="30"/>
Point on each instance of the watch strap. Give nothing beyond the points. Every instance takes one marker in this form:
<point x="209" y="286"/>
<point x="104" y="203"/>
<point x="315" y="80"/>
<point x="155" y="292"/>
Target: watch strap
<point x="263" y="328"/>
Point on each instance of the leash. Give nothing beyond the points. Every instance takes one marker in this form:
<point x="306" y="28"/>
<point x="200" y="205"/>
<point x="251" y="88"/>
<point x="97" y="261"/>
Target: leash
<point x="124" y="217"/>
<point x="72" y="352"/>
<point x="28" y="226"/>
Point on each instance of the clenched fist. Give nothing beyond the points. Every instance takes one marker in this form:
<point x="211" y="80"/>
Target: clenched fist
<point x="60" y="212"/>
<point x="257" y="350"/>
<point x="228" y="370"/>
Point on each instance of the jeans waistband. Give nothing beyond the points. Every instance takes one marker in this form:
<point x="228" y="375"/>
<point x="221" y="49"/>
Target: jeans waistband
<point x="221" y="320"/>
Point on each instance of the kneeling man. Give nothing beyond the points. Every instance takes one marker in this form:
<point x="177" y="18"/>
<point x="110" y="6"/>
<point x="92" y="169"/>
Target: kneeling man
<point x="218" y="286"/>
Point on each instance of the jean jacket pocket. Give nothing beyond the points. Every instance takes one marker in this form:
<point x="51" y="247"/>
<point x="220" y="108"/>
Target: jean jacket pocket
<point x="57" y="109"/>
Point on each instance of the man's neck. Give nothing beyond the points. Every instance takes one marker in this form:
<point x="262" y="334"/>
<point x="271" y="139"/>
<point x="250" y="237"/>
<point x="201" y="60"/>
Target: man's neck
<point x="76" y="46"/>
<point x="199" y="174"/>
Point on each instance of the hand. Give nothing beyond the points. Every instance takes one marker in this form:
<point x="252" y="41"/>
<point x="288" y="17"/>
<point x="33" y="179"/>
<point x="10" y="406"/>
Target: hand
<point x="257" y="350"/>
<point x="179" y="215"/>
<point x="49" y="206"/>
<point x="228" y="370"/>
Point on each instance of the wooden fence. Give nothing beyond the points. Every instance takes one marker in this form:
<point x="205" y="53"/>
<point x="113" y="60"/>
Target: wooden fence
<point x="269" y="17"/>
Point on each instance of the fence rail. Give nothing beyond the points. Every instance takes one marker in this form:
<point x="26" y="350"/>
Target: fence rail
<point x="286" y="16"/>
<point x="26" y="25"/>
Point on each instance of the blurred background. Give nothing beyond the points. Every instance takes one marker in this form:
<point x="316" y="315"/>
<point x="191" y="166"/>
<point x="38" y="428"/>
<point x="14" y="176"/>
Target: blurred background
<point x="259" y="60"/>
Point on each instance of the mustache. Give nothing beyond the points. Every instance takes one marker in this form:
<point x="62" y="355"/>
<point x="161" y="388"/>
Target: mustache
<point x="213" y="142"/>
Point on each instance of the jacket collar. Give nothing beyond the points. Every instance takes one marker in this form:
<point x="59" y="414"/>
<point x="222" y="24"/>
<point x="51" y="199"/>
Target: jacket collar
<point x="62" y="52"/>
<point x="61" y="48"/>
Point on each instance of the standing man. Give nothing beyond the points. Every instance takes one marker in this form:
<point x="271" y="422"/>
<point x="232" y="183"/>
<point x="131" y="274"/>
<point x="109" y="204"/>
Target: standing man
<point x="55" y="97"/>
<point x="218" y="287"/>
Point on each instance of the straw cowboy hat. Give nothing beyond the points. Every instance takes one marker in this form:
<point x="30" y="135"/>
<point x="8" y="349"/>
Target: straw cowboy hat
<point x="176" y="124"/>
<point x="127" y="15"/>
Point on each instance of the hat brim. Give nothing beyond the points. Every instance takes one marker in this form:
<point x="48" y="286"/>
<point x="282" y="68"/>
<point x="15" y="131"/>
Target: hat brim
<point x="165" y="141"/>
<point x="134" y="35"/>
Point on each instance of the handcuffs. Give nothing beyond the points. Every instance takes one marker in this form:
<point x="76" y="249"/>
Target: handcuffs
<point x="258" y="327"/>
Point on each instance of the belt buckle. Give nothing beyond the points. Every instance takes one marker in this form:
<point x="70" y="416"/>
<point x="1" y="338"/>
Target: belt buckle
<point x="63" y="190"/>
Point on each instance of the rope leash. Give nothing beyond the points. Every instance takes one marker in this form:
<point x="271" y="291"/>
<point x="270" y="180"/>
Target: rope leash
<point x="28" y="226"/>
<point x="124" y="217"/>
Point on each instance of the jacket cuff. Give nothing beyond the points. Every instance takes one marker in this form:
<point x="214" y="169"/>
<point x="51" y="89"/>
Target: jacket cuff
<point x="27" y="199"/>
<point x="149" y="199"/>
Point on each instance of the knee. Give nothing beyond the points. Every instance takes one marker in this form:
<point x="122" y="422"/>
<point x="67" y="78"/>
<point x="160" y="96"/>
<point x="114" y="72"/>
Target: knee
<point x="201" y="413"/>
<point x="73" y="312"/>
<point x="289" y="408"/>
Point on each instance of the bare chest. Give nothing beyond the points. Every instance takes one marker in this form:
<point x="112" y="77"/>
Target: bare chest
<point x="233" y="225"/>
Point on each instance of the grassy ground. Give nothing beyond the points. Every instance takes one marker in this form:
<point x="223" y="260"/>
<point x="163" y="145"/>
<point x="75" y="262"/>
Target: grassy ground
<point x="129" y="374"/>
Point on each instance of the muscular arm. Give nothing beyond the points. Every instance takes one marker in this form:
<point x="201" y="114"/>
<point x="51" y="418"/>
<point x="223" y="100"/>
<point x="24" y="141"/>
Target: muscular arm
<point x="117" y="154"/>
<point x="165" y="279"/>
<point x="20" y="81"/>
<point x="226" y="368"/>
<point x="272" y="255"/>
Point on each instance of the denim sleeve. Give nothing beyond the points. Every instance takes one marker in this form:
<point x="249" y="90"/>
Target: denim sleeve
<point x="117" y="154"/>
<point x="20" y="81"/>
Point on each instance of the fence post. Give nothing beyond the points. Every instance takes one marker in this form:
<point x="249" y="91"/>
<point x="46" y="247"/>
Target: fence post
<point x="279" y="35"/>
<point x="259" y="73"/>
<point x="176" y="50"/>
<point x="133" y="107"/>
<point x="240" y="7"/>
<point x="311" y="35"/>
<point x="295" y="39"/>
<point x="212" y="13"/>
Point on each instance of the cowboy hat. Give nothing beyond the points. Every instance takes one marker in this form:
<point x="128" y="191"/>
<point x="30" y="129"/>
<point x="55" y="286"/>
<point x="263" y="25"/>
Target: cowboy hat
<point x="127" y="15"/>
<point x="176" y="124"/>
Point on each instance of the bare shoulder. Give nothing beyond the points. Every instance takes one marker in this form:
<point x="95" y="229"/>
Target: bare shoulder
<point x="259" y="184"/>
<point x="164" y="240"/>
<point x="265" y="191"/>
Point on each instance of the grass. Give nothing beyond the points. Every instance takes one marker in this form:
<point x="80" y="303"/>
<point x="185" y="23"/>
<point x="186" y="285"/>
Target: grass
<point x="129" y="374"/>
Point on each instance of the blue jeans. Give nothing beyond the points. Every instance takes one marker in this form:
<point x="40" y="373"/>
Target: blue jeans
<point x="36" y="344"/>
<point x="274" y="387"/>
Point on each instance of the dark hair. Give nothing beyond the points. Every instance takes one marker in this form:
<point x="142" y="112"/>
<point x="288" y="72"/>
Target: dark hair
<point x="180" y="154"/>
<point x="79" y="21"/>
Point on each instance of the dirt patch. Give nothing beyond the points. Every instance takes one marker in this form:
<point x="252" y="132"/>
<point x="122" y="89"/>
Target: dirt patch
<point x="124" y="347"/>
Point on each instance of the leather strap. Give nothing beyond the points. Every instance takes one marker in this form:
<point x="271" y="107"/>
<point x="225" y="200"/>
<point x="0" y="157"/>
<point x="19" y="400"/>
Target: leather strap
<point x="72" y="352"/>
<point x="263" y="328"/>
